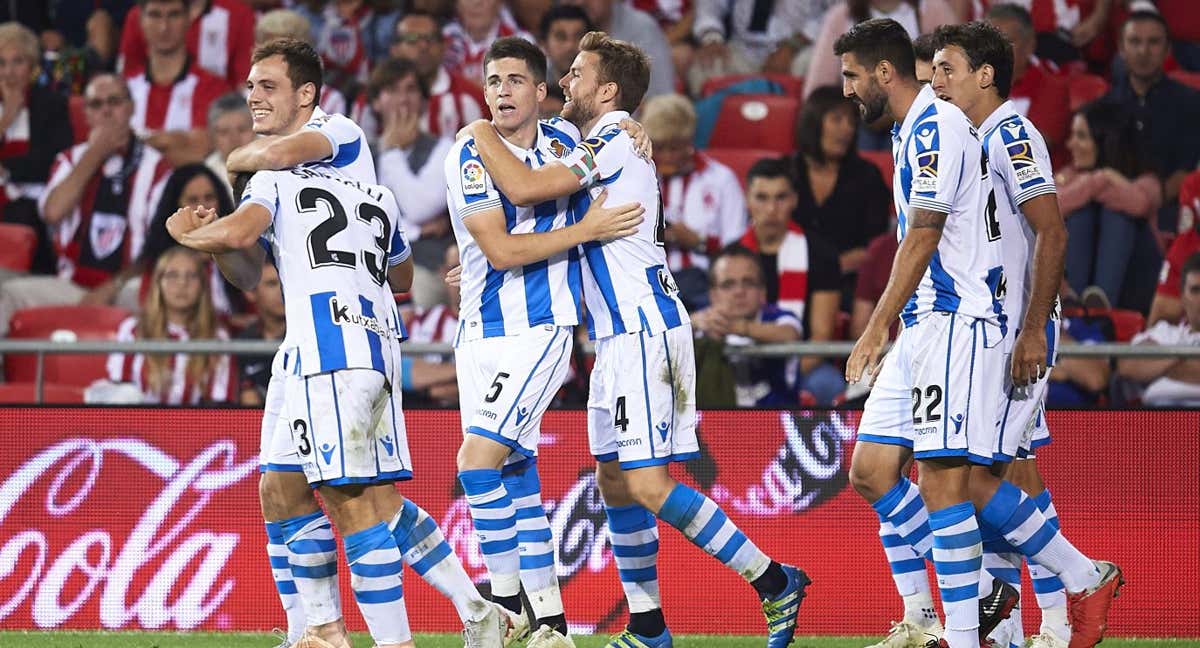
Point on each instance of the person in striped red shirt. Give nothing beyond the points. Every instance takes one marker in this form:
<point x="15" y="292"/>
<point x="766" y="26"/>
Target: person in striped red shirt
<point x="179" y="307"/>
<point x="220" y="37"/>
<point x="98" y="205"/>
<point x="170" y="92"/>
<point x="454" y="100"/>
<point x="476" y="25"/>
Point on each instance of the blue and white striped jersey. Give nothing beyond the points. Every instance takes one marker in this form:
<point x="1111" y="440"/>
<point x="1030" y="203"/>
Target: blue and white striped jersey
<point x="627" y="284"/>
<point x="334" y="239"/>
<point x="506" y="302"/>
<point x="351" y="154"/>
<point x="1019" y="165"/>
<point x="940" y="167"/>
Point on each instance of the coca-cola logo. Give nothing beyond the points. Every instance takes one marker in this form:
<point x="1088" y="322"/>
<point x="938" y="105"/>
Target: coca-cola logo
<point x="807" y="469"/>
<point x="161" y="572"/>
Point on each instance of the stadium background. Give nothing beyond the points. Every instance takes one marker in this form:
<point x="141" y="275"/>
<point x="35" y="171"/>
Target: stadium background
<point x="148" y="519"/>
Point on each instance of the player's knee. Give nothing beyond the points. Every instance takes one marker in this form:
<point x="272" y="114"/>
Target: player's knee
<point x="870" y="478"/>
<point x="649" y="488"/>
<point x="611" y="483"/>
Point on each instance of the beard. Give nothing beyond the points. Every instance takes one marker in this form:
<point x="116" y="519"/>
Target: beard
<point x="873" y="107"/>
<point x="577" y="112"/>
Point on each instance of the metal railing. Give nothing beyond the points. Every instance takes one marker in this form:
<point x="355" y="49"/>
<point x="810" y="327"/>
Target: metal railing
<point x="40" y="348"/>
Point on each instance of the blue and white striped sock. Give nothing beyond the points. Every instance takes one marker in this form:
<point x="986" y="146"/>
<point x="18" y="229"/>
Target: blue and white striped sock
<point x="1049" y="590"/>
<point x="535" y="543"/>
<point x="376" y="570"/>
<point x="904" y="508"/>
<point x="1004" y="564"/>
<point x="1012" y="513"/>
<point x="495" y="521"/>
<point x="706" y="525"/>
<point x="281" y="571"/>
<point x="957" y="558"/>
<point x="425" y="550"/>
<point x="910" y="575"/>
<point x="312" y="553"/>
<point x="633" y="531"/>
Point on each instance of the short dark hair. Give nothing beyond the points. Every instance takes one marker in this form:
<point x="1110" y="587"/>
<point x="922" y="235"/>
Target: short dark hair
<point x="518" y="48"/>
<point x="811" y="124"/>
<point x="879" y="39"/>
<point x="734" y="251"/>
<point x="303" y="62"/>
<point x="621" y="63"/>
<point x="390" y="71"/>
<point x="142" y="3"/>
<point x="982" y="44"/>
<point x="1013" y="12"/>
<point x="1190" y="266"/>
<point x="769" y="168"/>
<point x="564" y="12"/>
<point x="924" y="47"/>
<point x="1147" y="15"/>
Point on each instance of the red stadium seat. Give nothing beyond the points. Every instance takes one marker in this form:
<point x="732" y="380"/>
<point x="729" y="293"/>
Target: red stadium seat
<point x="1126" y="323"/>
<point x="86" y="322"/>
<point x="26" y="393"/>
<point x="78" y="120"/>
<point x="883" y="160"/>
<point x="740" y="160"/>
<point x="792" y="85"/>
<point x="1085" y="88"/>
<point x="1187" y="78"/>
<point x="16" y="246"/>
<point x="757" y="121"/>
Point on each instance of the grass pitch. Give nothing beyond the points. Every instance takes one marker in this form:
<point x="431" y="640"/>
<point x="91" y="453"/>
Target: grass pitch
<point x="20" y="639"/>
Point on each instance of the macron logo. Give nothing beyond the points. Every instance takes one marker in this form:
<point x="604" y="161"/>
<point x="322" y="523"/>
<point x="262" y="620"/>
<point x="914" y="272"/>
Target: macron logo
<point x="522" y="414"/>
<point x="327" y="452"/>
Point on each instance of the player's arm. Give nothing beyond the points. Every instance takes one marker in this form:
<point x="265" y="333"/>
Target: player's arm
<point x="236" y="232"/>
<point x="519" y="183"/>
<point x="912" y="260"/>
<point x="506" y="250"/>
<point x="1049" y="258"/>
<point x="275" y="152"/>
<point x="400" y="276"/>
<point x="243" y="268"/>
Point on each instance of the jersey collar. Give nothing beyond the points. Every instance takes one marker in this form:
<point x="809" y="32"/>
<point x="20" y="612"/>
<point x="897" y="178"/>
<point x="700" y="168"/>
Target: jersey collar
<point x="610" y="118"/>
<point x="998" y="115"/>
<point x="924" y="98"/>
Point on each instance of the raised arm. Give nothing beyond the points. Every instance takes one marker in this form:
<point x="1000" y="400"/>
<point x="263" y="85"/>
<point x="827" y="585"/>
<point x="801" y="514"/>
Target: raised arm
<point x="238" y="231"/>
<point x="519" y="183"/>
<point x="276" y="152"/>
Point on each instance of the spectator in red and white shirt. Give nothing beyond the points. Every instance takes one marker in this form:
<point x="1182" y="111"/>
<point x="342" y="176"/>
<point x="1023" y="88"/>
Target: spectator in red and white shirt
<point x="431" y="379"/>
<point x="1166" y="305"/>
<point x="98" y="205"/>
<point x="477" y="24"/>
<point x="220" y="38"/>
<point x="702" y="200"/>
<point x="454" y="100"/>
<point x="350" y="36"/>
<point x="285" y="23"/>
<point x="170" y="93"/>
<point x="32" y="132"/>
<point x="562" y="28"/>
<point x="178" y="307"/>
<point x="1038" y="92"/>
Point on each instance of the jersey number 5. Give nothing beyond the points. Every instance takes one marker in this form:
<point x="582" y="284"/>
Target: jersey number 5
<point x="319" y="253"/>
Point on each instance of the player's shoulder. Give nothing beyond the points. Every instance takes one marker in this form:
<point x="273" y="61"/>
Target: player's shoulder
<point x="557" y="128"/>
<point x="464" y="170"/>
<point x="947" y="121"/>
<point x="460" y="153"/>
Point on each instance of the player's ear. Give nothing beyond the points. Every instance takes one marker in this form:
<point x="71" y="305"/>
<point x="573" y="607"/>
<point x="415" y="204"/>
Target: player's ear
<point x="884" y="71"/>
<point x="308" y="95"/>
<point x="987" y="76"/>
<point x="541" y="92"/>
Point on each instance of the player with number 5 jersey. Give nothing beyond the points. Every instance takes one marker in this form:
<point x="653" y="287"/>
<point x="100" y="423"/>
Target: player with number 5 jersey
<point x="641" y="406"/>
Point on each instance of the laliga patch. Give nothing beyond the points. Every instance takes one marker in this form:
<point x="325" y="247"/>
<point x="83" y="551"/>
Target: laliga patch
<point x="472" y="178"/>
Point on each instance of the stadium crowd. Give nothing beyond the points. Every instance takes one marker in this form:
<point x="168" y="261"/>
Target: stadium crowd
<point x="776" y="198"/>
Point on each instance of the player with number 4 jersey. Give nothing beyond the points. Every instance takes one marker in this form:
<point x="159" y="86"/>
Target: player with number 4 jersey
<point x="642" y="417"/>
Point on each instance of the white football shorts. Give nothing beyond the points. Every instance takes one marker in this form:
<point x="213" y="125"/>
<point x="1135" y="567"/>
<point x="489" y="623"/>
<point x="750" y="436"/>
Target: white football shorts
<point x="276" y="452"/>
<point x="347" y="427"/>
<point x="937" y="391"/>
<point x="506" y="383"/>
<point x="1023" y="428"/>
<point x="642" y="399"/>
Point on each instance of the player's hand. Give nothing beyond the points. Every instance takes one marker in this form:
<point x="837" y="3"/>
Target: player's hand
<point x="469" y="129"/>
<point x="641" y="141"/>
<point x="186" y="220"/>
<point x="1029" y="357"/>
<point x="454" y="276"/>
<point x="864" y="359"/>
<point x="608" y="223"/>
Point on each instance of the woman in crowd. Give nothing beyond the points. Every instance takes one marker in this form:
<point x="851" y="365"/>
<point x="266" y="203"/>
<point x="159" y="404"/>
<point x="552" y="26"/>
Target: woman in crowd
<point x="34" y="127"/>
<point x="178" y="307"/>
<point x="1109" y="196"/>
<point x="842" y="197"/>
<point x="189" y="185"/>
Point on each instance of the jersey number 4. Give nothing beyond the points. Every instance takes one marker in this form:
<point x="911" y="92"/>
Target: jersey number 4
<point x="319" y="252"/>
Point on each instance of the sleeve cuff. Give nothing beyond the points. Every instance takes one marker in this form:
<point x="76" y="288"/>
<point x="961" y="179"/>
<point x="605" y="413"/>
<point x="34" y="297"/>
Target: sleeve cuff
<point x="269" y="205"/>
<point x="1035" y="191"/>
<point x="929" y="203"/>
